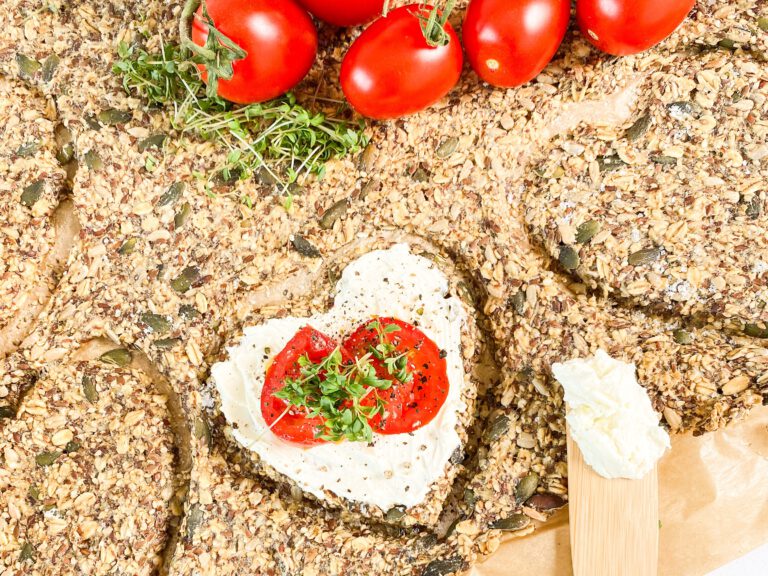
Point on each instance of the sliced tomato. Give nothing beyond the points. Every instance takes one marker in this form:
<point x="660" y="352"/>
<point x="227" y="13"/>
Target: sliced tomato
<point x="294" y="426"/>
<point x="412" y="404"/>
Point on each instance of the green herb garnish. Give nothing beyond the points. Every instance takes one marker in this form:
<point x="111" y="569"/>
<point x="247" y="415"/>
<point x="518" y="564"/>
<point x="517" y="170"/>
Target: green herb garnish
<point x="334" y="390"/>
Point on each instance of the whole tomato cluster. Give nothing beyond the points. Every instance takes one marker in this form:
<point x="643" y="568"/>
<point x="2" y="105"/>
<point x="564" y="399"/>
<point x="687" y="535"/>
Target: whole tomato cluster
<point x="411" y="57"/>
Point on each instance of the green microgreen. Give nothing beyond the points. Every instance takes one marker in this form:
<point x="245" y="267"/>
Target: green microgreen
<point x="433" y="20"/>
<point x="279" y="141"/>
<point x="334" y="389"/>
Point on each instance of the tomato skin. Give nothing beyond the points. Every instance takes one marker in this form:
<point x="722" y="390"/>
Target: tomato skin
<point x="293" y="427"/>
<point x="624" y="27"/>
<point x="509" y="43"/>
<point x="391" y="71"/>
<point x="344" y="12"/>
<point x="279" y="36"/>
<point x="409" y="405"/>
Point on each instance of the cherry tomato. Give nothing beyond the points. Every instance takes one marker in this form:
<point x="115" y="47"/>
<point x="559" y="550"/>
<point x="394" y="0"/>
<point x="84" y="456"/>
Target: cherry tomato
<point x="279" y="37"/>
<point x="391" y="70"/>
<point x="344" y="12"/>
<point x="293" y="426"/>
<point x="509" y="43"/>
<point x="412" y="404"/>
<point x="622" y="27"/>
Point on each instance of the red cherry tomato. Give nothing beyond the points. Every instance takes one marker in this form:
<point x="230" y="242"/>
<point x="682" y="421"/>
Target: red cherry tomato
<point x="344" y="12"/>
<point x="294" y="426"/>
<point x="391" y="70"/>
<point x="413" y="404"/>
<point x="279" y="37"/>
<point x="509" y="43"/>
<point x="622" y="27"/>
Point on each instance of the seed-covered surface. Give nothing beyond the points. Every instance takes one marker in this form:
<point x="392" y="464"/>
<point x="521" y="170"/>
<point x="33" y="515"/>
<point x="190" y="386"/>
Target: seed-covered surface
<point x="86" y="475"/>
<point x="173" y="260"/>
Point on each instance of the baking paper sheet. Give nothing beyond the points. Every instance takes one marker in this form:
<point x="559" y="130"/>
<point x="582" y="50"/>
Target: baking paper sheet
<point x="714" y="509"/>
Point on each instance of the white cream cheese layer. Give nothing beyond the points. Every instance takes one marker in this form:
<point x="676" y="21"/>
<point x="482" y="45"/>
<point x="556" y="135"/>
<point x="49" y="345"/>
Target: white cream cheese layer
<point x="394" y="469"/>
<point x="611" y="417"/>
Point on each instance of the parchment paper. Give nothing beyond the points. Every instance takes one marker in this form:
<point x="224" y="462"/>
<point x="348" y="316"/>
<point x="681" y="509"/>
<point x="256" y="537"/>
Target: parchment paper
<point x="714" y="509"/>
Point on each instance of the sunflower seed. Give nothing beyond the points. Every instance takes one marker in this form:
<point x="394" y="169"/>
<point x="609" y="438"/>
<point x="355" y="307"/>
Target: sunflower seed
<point x="32" y="193"/>
<point x="47" y="458"/>
<point x="644" y="256"/>
<point x="333" y="213"/>
<point x="568" y="258"/>
<point x="194" y="519"/>
<point x="470" y="498"/>
<point x="27" y="552"/>
<point x="182" y="216"/>
<point x="89" y="390"/>
<point x="127" y="247"/>
<point x="518" y="302"/>
<point x="173" y="193"/>
<point x="447" y="147"/>
<point x="156" y="322"/>
<point x="512" y="523"/>
<point x="93" y="160"/>
<point x="184" y="281"/>
<point x="117" y="357"/>
<point x="526" y="487"/>
<point x="610" y="163"/>
<point x="586" y="231"/>
<point x="188" y="312"/>
<point x="639" y="128"/>
<point x="664" y="160"/>
<point x="420" y="175"/>
<point x="444" y="567"/>
<point x="33" y="493"/>
<point x="50" y="65"/>
<point x="304" y="247"/>
<point x="28" y="148"/>
<point x="202" y="430"/>
<point x="395" y="513"/>
<point x="112" y="116"/>
<point x="154" y="141"/>
<point x="754" y="208"/>
<point x="166" y="343"/>
<point x="72" y="446"/>
<point x="498" y="428"/>
<point x="682" y="337"/>
<point x="27" y="66"/>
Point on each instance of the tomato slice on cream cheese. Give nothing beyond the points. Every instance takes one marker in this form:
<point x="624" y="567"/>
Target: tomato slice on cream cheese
<point x="413" y="365"/>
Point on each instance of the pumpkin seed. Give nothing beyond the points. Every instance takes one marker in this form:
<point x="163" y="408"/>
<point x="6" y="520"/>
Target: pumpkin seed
<point x="586" y="231"/>
<point x="194" y="519"/>
<point x="117" y="357"/>
<point x="202" y="430"/>
<point x="447" y="147"/>
<point x="368" y="157"/>
<point x="32" y="193"/>
<point x="184" y="281"/>
<point x="526" y="487"/>
<point x="72" y="446"/>
<point x="444" y="567"/>
<point x="756" y="331"/>
<point x="420" y="175"/>
<point x="112" y="116"/>
<point x="89" y="390"/>
<point x="513" y="523"/>
<point x="188" y="312"/>
<point x="128" y="246"/>
<point x="664" y="160"/>
<point x="7" y="412"/>
<point x="50" y="65"/>
<point x="395" y="513"/>
<point x="173" y="193"/>
<point x="470" y="498"/>
<point x="28" y="148"/>
<point x="333" y="213"/>
<point x="93" y="160"/>
<point x="47" y="458"/>
<point x="33" y="493"/>
<point x="644" y="256"/>
<point x="182" y="216"/>
<point x="27" y="552"/>
<point x="518" y="302"/>
<point x="727" y="44"/>
<point x="754" y="208"/>
<point x="156" y="322"/>
<point x="682" y="337"/>
<point x="91" y="122"/>
<point x="304" y="247"/>
<point x="27" y="66"/>
<point x="610" y="163"/>
<point x="639" y="128"/>
<point x="762" y="23"/>
<point x="498" y="428"/>
<point x="546" y="501"/>
<point x="679" y="110"/>
<point x="154" y="141"/>
<point x="569" y="258"/>
<point x="65" y="154"/>
<point x="372" y="185"/>
<point x="166" y="343"/>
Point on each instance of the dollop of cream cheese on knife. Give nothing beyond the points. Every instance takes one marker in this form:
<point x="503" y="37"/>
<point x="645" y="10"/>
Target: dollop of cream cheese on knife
<point x="611" y="417"/>
<point x="394" y="469"/>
